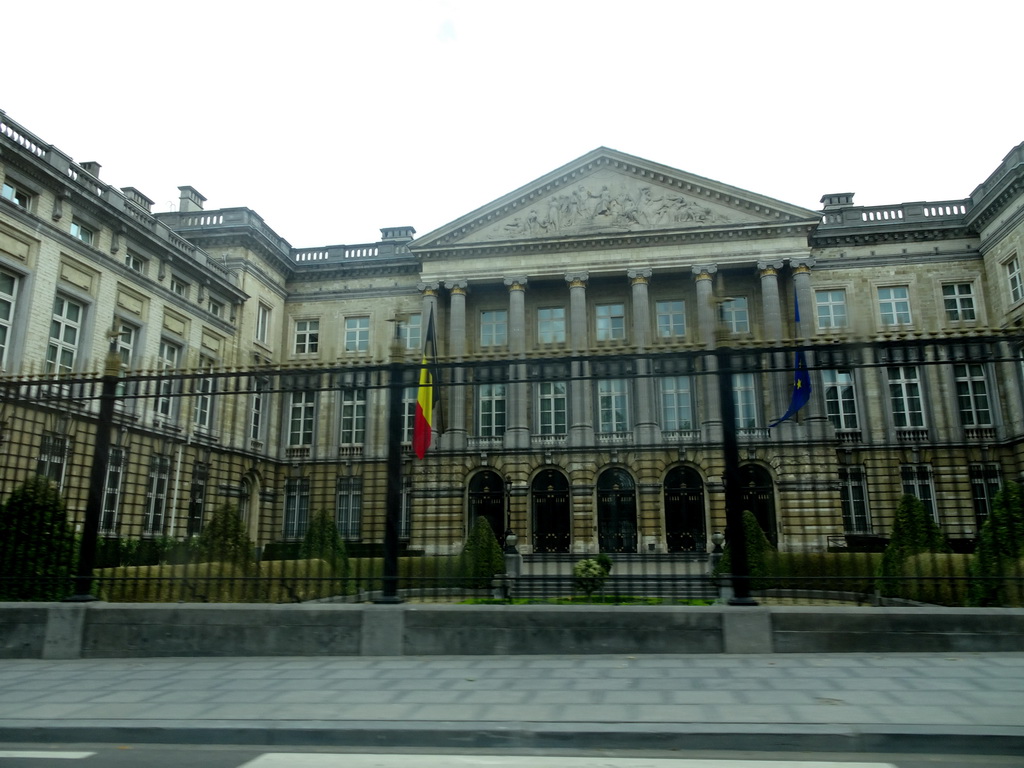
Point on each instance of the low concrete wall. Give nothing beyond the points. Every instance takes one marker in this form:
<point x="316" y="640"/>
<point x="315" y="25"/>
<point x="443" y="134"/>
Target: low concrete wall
<point x="118" y="630"/>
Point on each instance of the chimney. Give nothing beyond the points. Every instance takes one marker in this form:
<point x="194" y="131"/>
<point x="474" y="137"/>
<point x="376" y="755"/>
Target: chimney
<point x="190" y="200"/>
<point x="138" y="198"/>
<point x="397" y="234"/>
<point x="92" y="168"/>
<point x="837" y="200"/>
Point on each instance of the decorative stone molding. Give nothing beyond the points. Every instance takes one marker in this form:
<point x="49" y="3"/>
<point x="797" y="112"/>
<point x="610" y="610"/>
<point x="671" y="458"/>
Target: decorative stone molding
<point x="456" y="287"/>
<point x="577" y="279"/>
<point x="428" y="289"/>
<point x="768" y="268"/>
<point x="516" y="283"/>
<point x="704" y="272"/>
<point x="639" y="276"/>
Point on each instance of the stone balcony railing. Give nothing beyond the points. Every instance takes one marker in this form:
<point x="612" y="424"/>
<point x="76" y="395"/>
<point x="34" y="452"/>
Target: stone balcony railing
<point x="903" y="214"/>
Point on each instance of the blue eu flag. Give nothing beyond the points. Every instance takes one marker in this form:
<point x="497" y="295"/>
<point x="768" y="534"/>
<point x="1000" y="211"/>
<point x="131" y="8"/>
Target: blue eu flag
<point x="801" y="379"/>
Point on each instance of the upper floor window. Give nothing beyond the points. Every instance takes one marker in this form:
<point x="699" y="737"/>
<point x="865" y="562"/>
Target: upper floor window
<point x="410" y="331"/>
<point x="744" y="395"/>
<point x="349" y="509"/>
<point x="82" y="232"/>
<point x="170" y="360"/>
<point x="202" y="415"/>
<point x="551" y="325"/>
<point x="8" y="296"/>
<point x="905" y="396"/>
<point x="179" y="287"/>
<point x="491" y="410"/>
<point x="262" y="323"/>
<point x="676" y="403"/>
<point x="830" y="307"/>
<point x="357" y="334"/>
<point x="552" y="405"/>
<point x="894" y="305"/>
<point x="972" y="395"/>
<point x="610" y="322"/>
<point x="216" y="308"/>
<point x="16" y="194"/>
<point x="135" y="263"/>
<point x="671" y="318"/>
<point x="494" y="328"/>
<point x="65" y="329"/>
<point x="840" y="402"/>
<point x="301" y="418"/>
<point x="736" y="315"/>
<point x="307" y="337"/>
<point x="296" y="507"/>
<point x="408" y="413"/>
<point x="958" y="301"/>
<point x="1013" y="277"/>
<point x="353" y="416"/>
<point x="258" y="408"/>
<point x="612" y="405"/>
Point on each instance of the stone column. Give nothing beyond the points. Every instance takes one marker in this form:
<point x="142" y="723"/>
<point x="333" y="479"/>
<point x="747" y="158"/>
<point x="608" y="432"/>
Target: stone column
<point x="517" y="427"/>
<point x="455" y="398"/>
<point x="707" y="328"/>
<point x="645" y="429"/>
<point x="581" y="416"/>
<point x="780" y="385"/>
<point x="804" y="332"/>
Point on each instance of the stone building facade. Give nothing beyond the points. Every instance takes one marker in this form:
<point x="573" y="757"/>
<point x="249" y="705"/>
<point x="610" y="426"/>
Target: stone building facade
<point x="578" y="321"/>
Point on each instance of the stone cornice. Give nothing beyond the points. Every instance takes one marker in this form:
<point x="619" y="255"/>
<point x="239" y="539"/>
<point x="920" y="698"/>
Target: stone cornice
<point x="831" y="239"/>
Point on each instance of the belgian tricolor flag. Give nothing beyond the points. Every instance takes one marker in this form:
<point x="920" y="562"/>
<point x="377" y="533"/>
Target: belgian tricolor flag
<point x="424" y="424"/>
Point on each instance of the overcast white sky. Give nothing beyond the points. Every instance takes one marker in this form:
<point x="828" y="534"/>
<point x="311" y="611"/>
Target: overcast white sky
<point x="334" y="119"/>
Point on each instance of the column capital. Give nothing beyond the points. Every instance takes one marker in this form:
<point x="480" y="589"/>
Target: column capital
<point x="577" y="279"/>
<point x="456" y="286"/>
<point x="428" y="289"/>
<point x="704" y="272"/>
<point x="516" y="283"/>
<point x="801" y="265"/>
<point x="638" y="276"/>
<point x="769" y="268"/>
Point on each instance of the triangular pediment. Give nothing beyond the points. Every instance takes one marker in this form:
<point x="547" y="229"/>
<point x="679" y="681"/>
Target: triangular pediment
<point x="607" y="193"/>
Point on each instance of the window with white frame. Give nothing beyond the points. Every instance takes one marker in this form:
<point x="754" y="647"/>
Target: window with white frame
<point x="612" y="406"/>
<point x="840" y="398"/>
<point x="82" y="232"/>
<point x="958" y="302"/>
<point x="409" y="396"/>
<point x="357" y="334"/>
<point x="894" y="305"/>
<point x="552" y="407"/>
<point x="352" y="407"/>
<point x="168" y="388"/>
<point x="262" y="323"/>
<point x="986" y="482"/>
<point x="349" y="507"/>
<point x="202" y="415"/>
<point x="65" y="330"/>
<point x="676" y="403"/>
<point x="307" y="337"/>
<point x="135" y="263"/>
<point x="216" y="308"/>
<point x="494" y="328"/>
<point x="551" y="325"/>
<point x="491" y="410"/>
<point x="156" y="495"/>
<point x="112" y="490"/>
<point x="16" y="194"/>
<point x="8" y="297"/>
<point x="53" y="453"/>
<point x="258" y="407"/>
<point x="610" y="322"/>
<point x="180" y="287"/>
<point x="1013" y="279"/>
<point x="670" y="318"/>
<point x="410" y="332"/>
<point x="301" y="417"/>
<point x="917" y="481"/>
<point x="905" y="396"/>
<point x="853" y="492"/>
<point x="735" y="315"/>
<point x="830" y="308"/>
<point x="744" y="395"/>
<point x="296" y="507"/>
<point x="972" y="395"/>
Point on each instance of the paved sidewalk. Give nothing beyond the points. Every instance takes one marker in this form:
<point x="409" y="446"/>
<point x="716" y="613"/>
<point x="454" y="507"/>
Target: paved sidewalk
<point x="951" y="703"/>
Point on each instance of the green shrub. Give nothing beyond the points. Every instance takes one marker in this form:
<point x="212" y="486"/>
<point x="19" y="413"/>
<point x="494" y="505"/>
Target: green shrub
<point x="604" y="561"/>
<point x="914" y="532"/>
<point x="759" y="553"/>
<point x="999" y="550"/>
<point x="224" y="539"/>
<point x="323" y="542"/>
<point x="37" y="544"/>
<point x="824" y="571"/>
<point x="588" y="576"/>
<point x="481" y="556"/>
<point x="936" y="578"/>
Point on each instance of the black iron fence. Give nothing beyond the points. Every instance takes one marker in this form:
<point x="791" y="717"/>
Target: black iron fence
<point x="620" y="477"/>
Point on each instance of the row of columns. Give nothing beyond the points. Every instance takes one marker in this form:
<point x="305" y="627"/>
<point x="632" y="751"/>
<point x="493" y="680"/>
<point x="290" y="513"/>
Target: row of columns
<point x="581" y="427"/>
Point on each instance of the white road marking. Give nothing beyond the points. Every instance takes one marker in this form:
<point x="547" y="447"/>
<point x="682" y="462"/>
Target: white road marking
<point x="41" y="754"/>
<point x="305" y="760"/>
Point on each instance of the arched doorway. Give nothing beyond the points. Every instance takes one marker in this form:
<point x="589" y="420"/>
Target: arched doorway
<point x="487" y="499"/>
<point x="757" y="493"/>
<point x="684" y="511"/>
<point x="616" y="511"/>
<point x="552" y="514"/>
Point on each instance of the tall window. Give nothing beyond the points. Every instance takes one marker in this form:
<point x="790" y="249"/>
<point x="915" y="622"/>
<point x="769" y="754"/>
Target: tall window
<point x="156" y="495"/>
<point x="53" y="451"/>
<point x="168" y="388"/>
<point x="985" y="484"/>
<point x="905" y="396"/>
<point x="917" y="481"/>
<point x="65" y="329"/>
<point x="112" y="490"/>
<point x="830" y="307"/>
<point x="676" y="403"/>
<point x="745" y="399"/>
<point x="670" y="317"/>
<point x="410" y="331"/>
<point x="296" y="507"/>
<point x="610" y="322"/>
<point x="307" y="337"/>
<point x="301" y="415"/>
<point x="197" y="498"/>
<point x="736" y="315"/>
<point x="552" y="404"/>
<point x="8" y="295"/>
<point x="1013" y="278"/>
<point x="491" y="408"/>
<point x="349" y="508"/>
<point x="202" y="415"/>
<point x="260" y="395"/>
<point x="409" y="395"/>
<point x="840" y="401"/>
<point x="262" y="323"/>
<point x="357" y="334"/>
<point x="353" y="416"/>
<point x="854" y="493"/>
<point x="551" y="325"/>
<point x="494" y="328"/>
<point x="958" y="301"/>
<point x="612" y="406"/>
<point x="972" y="395"/>
<point x="894" y="305"/>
